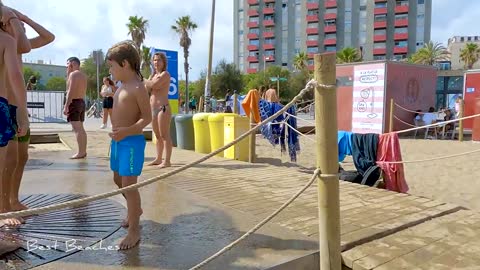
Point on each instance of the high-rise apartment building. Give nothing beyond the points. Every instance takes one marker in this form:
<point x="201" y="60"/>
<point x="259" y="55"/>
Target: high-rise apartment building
<point x="274" y="31"/>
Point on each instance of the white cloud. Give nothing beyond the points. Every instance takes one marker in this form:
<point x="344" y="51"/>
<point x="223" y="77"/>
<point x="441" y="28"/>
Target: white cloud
<point x="87" y="25"/>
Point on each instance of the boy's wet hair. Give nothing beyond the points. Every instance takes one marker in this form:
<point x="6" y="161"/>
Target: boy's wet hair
<point x="163" y="58"/>
<point x="125" y="51"/>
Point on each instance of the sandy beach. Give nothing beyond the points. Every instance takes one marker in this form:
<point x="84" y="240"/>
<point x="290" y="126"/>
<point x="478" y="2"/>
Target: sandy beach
<point x="455" y="180"/>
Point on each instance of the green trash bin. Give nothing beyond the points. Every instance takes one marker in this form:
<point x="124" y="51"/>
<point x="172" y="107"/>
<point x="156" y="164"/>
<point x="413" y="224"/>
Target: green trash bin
<point x="215" y="122"/>
<point x="173" y="131"/>
<point x="184" y="128"/>
<point x="202" y="133"/>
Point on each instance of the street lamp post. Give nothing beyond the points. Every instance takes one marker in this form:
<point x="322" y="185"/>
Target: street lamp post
<point x="209" y="69"/>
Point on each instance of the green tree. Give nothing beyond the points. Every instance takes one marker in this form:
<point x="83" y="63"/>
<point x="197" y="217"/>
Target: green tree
<point x="470" y="55"/>
<point x="226" y="76"/>
<point x="137" y="29"/>
<point x="56" y="84"/>
<point x="90" y="69"/>
<point x="348" y="55"/>
<point x="29" y="72"/>
<point x="300" y="61"/>
<point x="146" y="61"/>
<point x="184" y="27"/>
<point x="430" y="54"/>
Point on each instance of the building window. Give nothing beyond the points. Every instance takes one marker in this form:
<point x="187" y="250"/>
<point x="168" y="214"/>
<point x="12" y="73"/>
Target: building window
<point x="421" y="2"/>
<point x="401" y="44"/>
<point x="331" y="10"/>
<point x="379" y="45"/>
<point x="329" y="36"/>
<point x="312" y="37"/>
<point x="270" y="53"/>
<point x="330" y="22"/>
<point x="380" y="32"/>
<point x="310" y="62"/>
<point x="330" y="48"/>
<point x="401" y="30"/>
<point x="269" y="40"/>
<point x="312" y="50"/>
<point x="312" y="25"/>
<point x="380" y="18"/>
<point x="381" y="5"/>
<point x="253" y="65"/>
<point x="312" y="12"/>
<point x="254" y="31"/>
<point x="268" y="18"/>
<point x="401" y="16"/>
<point x="253" y="19"/>
<point x="379" y="57"/>
<point x="348" y="26"/>
<point x="255" y="42"/>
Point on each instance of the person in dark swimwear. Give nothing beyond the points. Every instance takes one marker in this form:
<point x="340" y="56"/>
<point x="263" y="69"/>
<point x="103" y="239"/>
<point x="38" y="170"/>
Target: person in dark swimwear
<point x="158" y="84"/>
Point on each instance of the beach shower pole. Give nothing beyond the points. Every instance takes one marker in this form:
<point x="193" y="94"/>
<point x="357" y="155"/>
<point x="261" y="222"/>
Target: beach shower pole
<point x="208" y="83"/>
<point x="326" y="132"/>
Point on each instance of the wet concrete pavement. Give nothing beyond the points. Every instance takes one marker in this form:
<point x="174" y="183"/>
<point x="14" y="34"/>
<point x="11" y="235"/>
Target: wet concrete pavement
<point x="179" y="229"/>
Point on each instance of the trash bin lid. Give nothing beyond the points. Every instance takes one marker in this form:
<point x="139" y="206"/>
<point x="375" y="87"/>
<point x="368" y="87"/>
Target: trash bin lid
<point x="201" y="116"/>
<point x="183" y="118"/>
<point x="218" y="117"/>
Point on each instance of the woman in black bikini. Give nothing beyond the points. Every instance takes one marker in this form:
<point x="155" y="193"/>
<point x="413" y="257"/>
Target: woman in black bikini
<point x="107" y="92"/>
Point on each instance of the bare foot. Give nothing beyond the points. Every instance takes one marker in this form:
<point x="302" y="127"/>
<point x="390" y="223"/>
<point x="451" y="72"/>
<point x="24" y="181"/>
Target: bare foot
<point x="79" y="156"/>
<point x="164" y="165"/>
<point x="155" y="162"/>
<point x="131" y="240"/>
<point x="17" y="206"/>
<point x="12" y="222"/>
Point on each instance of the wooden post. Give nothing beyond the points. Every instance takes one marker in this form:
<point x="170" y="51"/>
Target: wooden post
<point x="460" y="123"/>
<point x="390" y="126"/>
<point x="235" y="103"/>
<point x="278" y="88"/>
<point x="326" y="133"/>
<point x="252" y="141"/>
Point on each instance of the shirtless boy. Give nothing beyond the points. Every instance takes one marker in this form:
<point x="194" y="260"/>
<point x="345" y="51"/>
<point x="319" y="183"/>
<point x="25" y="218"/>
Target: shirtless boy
<point x="75" y="104"/>
<point x="159" y="83"/>
<point x="18" y="147"/>
<point x="131" y="114"/>
<point x="10" y="71"/>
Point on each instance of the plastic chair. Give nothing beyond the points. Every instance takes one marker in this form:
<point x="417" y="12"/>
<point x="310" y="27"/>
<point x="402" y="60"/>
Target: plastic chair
<point x="418" y="123"/>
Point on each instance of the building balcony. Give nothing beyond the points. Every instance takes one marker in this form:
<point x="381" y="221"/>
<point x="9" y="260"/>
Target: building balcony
<point x="380" y="25"/>
<point x="268" y="11"/>
<point x="399" y="50"/>
<point x="311" y="55"/>
<point x="252" y="24"/>
<point x="251" y="70"/>
<point x="380" y="1"/>
<point x="378" y="38"/>
<point x="252" y="47"/>
<point x="401" y="23"/>
<point x="312" y="6"/>
<point x="312" y="43"/>
<point x="330" y="3"/>
<point x="400" y="36"/>
<point x="312" y="18"/>
<point x="311" y="67"/>
<point x="268" y="23"/>
<point x="252" y="12"/>
<point x="269" y="34"/>
<point x="330" y="41"/>
<point x="312" y="31"/>
<point x="330" y="16"/>
<point x="379" y="51"/>
<point x="252" y="59"/>
<point x="401" y="9"/>
<point x="269" y="1"/>
<point x="268" y="46"/>
<point x="378" y="11"/>
<point x="269" y="58"/>
<point x="252" y="36"/>
<point x="330" y="29"/>
<point x="253" y="2"/>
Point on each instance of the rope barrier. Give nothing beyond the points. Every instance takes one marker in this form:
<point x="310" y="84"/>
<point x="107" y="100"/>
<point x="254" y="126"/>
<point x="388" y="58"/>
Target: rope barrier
<point x="35" y="211"/>
<point x="429" y="159"/>
<point x="301" y="134"/>
<point x="267" y="219"/>
<point x="437" y="124"/>
<point x="408" y="110"/>
<point x="408" y="124"/>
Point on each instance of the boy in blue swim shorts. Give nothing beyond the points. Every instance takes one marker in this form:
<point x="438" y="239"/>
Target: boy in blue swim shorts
<point x="131" y="113"/>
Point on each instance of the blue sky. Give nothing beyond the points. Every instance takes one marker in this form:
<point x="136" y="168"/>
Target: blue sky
<point x="82" y="26"/>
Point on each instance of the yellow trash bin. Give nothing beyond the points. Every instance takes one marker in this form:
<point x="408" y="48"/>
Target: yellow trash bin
<point x="201" y="133"/>
<point x="234" y="127"/>
<point x="215" y="121"/>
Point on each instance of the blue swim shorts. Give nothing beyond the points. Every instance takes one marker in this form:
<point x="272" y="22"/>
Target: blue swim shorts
<point x="127" y="156"/>
<point x="7" y="131"/>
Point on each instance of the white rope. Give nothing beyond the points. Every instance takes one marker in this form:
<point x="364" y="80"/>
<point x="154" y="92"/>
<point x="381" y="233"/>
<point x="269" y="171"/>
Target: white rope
<point x="408" y="124"/>
<point x="429" y="159"/>
<point x="35" y="211"/>
<point x="301" y="134"/>
<point x="408" y="110"/>
<point x="437" y="124"/>
<point x="301" y="119"/>
<point x="267" y="219"/>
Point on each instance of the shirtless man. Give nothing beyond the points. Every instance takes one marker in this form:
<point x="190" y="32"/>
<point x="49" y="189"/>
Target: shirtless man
<point x="10" y="71"/>
<point x="271" y="95"/>
<point x="158" y="84"/>
<point x="131" y="114"/>
<point x="75" y="104"/>
<point x="18" y="147"/>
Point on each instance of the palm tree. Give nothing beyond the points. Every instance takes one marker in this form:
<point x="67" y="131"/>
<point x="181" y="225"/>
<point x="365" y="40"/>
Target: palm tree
<point x="348" y="55"/>
<point x="300" y="61"/>
<point x="146" y="59"/>
<point x="470" y="54"/>
<point x="137" y="28"/>
<point x="183" y="27"/>
<point x="430" y="54"/>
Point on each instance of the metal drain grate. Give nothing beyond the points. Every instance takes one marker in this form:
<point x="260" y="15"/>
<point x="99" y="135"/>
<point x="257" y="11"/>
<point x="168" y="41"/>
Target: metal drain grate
<point x="55" y="235"/>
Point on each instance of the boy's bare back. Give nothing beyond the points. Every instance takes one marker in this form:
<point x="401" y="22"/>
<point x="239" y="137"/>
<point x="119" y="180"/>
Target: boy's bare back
<point x="6" y="42"/>
<point x="128" y="102"/>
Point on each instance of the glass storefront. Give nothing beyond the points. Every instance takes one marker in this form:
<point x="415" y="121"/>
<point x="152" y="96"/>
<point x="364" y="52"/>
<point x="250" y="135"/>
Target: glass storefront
<point x="448" y="89"/>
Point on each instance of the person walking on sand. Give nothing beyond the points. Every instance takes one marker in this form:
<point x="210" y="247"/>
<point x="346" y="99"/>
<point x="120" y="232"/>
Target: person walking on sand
<point x="107" y="92"/>
<point x="131" y="114"/>
<point x="158" y="84"/>
<point x="75" y="104"/>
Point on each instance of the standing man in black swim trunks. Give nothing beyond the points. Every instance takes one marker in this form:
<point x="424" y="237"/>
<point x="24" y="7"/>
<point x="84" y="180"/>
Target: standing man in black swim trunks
<point x="75" y="104"/>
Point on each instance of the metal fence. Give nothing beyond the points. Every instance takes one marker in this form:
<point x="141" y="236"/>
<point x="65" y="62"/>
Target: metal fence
<point x="46" y="106"/>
